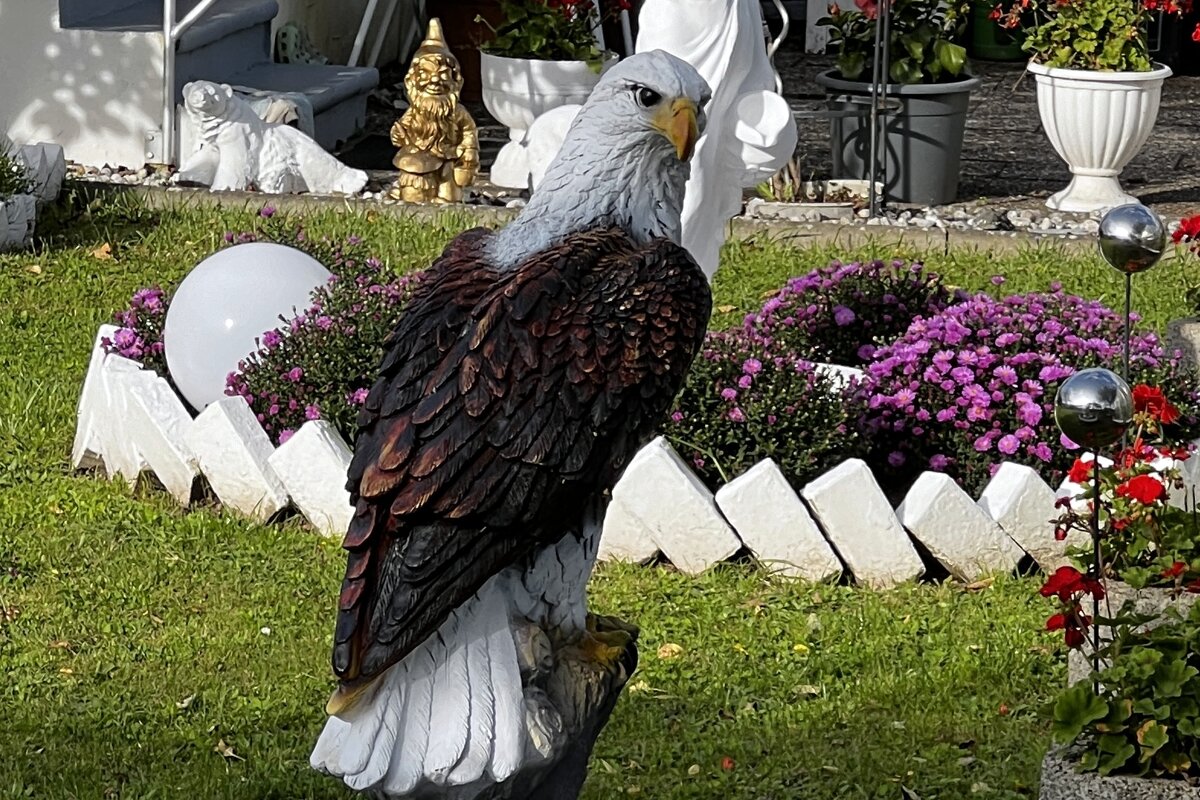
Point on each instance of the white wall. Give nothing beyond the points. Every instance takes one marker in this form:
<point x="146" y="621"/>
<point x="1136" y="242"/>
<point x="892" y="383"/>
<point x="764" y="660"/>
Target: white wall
<point x="96" y="94"/>
<point x="332" y="25"/>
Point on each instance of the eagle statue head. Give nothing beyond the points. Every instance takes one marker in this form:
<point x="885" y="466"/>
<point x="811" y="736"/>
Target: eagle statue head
<point x="623" y="163"/>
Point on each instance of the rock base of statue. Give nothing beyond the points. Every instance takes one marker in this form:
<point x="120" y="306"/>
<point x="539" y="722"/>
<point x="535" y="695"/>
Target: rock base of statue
<point x="593" y="695"/>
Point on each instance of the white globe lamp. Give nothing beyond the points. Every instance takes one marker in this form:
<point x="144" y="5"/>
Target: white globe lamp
<point x="225" y="305"/>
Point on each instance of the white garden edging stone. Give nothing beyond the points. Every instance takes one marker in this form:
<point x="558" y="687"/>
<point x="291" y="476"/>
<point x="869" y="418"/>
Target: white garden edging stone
<point x="130" y="420"/>
<point x="859" y="521"/>
<point x="233" y="450"/>
<point x="1023" y="505"/>
<point x="775" y="524"/>
<point x="676" y="508"/>
<point x="312" y="467"/>
<point x="964" y="539"/>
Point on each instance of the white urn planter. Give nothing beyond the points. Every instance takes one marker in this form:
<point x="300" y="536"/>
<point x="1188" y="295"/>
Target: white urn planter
<point x="516" y="91"/>
<point x="1097" y="122"/>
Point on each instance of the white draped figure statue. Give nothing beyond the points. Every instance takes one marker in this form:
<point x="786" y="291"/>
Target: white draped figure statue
<point x="751" y="131"/>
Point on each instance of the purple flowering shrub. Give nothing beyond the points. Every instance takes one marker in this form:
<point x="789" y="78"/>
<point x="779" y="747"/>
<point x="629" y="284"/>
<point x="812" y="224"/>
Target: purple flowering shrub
<point x="140" y="331"/>
<point x="840" y="313"/>
<point x="970" y="387"/>
<point x="743" y="403"/>
<point x="322" y="362"/>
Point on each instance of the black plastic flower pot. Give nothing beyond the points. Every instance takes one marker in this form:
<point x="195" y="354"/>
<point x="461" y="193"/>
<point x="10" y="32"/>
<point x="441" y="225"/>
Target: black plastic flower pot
<point x="922" y="136"/>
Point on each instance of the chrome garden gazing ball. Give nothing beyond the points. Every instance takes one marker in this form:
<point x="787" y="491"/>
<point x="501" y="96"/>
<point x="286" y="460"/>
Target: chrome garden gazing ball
<point x="1093" y="407"/>
<point x="1132" y="238"/>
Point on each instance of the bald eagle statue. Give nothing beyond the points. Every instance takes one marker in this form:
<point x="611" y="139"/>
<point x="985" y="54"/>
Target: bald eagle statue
<point x="524" y="375"/>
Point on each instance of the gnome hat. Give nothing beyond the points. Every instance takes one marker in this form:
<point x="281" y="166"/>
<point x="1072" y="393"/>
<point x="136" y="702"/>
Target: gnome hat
<point x="435" y="42"/>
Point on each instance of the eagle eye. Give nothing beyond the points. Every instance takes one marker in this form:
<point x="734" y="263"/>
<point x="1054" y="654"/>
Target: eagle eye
<point x="645" y="96"/>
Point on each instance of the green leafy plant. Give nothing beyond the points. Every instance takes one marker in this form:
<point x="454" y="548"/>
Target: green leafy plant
<point x="553" y="30"/>
<point x="1107" y="35"/>
<point x="14" y="176"/>
<point x="923" y="39"/>
<point x="1139" y="713"/>
<point x="1146" y="541"/>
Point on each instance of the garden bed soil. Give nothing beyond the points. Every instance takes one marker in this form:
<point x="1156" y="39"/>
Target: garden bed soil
<point x="1061" y="780"/>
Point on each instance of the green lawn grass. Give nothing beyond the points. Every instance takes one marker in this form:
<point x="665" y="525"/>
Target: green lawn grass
<point x="135" y="638"/>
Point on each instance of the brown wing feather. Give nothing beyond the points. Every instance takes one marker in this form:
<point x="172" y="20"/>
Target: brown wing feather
<point x="506" y="398"/>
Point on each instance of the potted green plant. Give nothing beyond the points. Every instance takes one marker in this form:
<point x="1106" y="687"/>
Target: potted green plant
<point x="929" y="81"/>
<point x="1098" y="90"/>
<point x="1131" y="713"/>
<point x="544" y="54"/>
<point x="989" y="40"/>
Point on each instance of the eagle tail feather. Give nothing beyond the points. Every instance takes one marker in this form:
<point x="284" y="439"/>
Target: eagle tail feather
<point x="467" y="676"/>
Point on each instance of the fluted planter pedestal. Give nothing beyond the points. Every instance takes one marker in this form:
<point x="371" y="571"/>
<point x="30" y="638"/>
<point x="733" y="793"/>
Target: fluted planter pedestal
<point x="1097" y="122"/>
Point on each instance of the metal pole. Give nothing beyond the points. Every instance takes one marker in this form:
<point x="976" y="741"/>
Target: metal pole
<point x="168" y="84"/>
<point x="1097" y="568"/>
<point x="361" y="37"/>
<point x="873" y="166"/>
<point x="1128" y="312"/>
<point x="388" y="13"/>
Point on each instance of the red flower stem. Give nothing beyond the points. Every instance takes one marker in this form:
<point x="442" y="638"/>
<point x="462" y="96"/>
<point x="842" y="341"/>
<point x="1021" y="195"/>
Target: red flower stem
<point x="1097" y="566"/>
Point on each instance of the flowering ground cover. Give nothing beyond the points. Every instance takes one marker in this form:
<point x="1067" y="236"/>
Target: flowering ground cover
<point x="148" y="652"/>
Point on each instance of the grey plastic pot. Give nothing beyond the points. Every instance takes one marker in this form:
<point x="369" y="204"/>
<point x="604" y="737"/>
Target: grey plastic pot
<point x="923" y="136"/>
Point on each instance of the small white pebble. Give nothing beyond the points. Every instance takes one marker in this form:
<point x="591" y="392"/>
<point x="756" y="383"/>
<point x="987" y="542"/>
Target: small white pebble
<point x="265" y="631"/>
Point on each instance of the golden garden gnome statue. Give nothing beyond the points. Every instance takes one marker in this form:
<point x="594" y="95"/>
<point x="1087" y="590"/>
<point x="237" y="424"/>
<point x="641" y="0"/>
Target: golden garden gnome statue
<point x="439" y="146"/>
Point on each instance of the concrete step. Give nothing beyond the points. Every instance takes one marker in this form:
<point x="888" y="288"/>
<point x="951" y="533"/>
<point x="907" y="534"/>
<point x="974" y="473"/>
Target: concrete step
<point x="338" y="94"/>
<point x="235" y="35"/>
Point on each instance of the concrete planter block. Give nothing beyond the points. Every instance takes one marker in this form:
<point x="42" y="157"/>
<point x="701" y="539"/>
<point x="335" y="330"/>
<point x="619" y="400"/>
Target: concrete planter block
<point x="117" y="446"/>
<point x="17" y="216"/>
<point x="625" y="537"/>
<point x="86" y="452"/>
<point x="1148" y="602"/>
<point x="312" y="467"/>
<point x="775" y="524"/>
<point x="47" y="167"/>
<point x="858" y="520"/>
<point x="157" y="425"/>
<point x="1062" y="780"/>
<point x="677" y="509"/>
<point x="233" y="452"/>
<point x="1023" y="505"/>
<point x="944" y="518"/>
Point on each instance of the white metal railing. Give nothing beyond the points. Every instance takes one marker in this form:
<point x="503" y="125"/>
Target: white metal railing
<point x="172" y="31"/>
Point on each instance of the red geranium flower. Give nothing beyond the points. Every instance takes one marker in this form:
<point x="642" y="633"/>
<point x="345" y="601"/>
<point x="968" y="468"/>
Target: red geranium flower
<point x="1072" y="625"/>
<point x="1066" y="582"/>
<point x="1175" y="570"/>
<point x="1143" y="489"/>
<point x="1151" y="400"/>
<point x="1193" y="587"/>
<point x="1189" y="229"/>
<point x="1079" y="471"/>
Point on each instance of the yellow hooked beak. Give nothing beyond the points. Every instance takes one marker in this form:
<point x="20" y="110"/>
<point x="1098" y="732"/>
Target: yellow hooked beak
<point x="677" y="122"/>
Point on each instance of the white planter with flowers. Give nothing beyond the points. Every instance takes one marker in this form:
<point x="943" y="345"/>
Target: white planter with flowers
<point x="516" y="91"/>
<point x="543" y="56"/>
<point x="1097" y="122"/>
